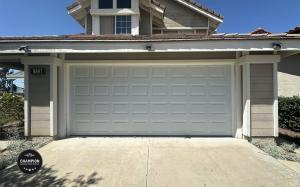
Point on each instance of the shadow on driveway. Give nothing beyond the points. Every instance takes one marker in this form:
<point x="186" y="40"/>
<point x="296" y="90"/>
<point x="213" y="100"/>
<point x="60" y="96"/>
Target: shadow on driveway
<point x="13" y="177"/>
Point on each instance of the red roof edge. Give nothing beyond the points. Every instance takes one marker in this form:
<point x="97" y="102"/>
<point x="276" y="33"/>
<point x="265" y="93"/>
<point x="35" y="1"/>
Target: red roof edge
<point x="260" y="31"/>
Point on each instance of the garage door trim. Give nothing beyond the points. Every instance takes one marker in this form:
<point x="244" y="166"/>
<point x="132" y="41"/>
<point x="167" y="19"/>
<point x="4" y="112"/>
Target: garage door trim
<point x="69" y="64"/>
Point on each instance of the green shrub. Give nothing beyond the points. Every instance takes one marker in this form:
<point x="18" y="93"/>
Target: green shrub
<point x="11" y="108"/>
<point x="289" y="113"/>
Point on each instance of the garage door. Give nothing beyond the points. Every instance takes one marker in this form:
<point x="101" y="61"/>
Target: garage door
<point x="150" y="100"/>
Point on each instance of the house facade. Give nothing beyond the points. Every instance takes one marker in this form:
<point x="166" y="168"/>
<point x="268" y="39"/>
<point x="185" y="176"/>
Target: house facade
<point x="150" y="68"/>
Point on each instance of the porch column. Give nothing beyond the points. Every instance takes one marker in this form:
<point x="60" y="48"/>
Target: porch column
<point x="53" y="99"/>
<point x="27" y="132"/>
<point x="40" y="103"/>
<point x="260" y="95"/>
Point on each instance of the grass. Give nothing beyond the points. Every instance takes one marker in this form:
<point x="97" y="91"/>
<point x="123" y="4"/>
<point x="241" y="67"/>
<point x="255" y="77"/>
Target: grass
<point x="277" y="148"/>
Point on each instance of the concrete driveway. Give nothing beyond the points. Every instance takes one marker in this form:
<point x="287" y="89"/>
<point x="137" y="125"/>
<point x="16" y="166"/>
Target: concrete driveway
<point x="154" y="162"/>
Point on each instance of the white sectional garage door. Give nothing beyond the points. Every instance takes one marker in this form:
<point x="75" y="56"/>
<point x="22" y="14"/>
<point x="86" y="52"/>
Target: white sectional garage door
<point x="150" y="100"/>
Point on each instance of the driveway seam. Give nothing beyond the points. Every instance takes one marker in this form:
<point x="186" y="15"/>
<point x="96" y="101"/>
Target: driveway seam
<point x="147" y="171"/>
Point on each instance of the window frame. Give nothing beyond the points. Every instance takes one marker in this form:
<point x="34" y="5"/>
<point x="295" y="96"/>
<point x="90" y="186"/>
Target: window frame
<point x="128" y="20"/>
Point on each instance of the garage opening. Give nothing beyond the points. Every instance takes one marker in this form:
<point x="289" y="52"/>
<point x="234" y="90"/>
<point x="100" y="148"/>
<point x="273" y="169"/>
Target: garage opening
<point x="175" y="100"/>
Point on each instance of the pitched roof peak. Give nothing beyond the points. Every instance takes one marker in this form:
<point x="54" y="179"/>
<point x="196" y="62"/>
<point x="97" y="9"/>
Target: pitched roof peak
<point x="260" y="30"/>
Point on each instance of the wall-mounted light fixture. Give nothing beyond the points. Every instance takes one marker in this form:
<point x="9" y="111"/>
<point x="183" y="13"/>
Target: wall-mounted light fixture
<point x="149" y="47"/>
<point x="276" y="46"/>
<point x="24" y="48"/>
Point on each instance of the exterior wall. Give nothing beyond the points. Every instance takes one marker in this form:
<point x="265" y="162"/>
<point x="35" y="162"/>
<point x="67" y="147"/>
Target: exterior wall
<point x="261" y="84"/>
<point x="106" y="25"/>
<point x="89" y="24"/>
<point x="39" y="101"/>
<point x="97" y="13"/>
<point x="144" y="23"/>
<point x="177" y="15"/>
<point x="262" y="99"/>
<point x="289" y="76"/>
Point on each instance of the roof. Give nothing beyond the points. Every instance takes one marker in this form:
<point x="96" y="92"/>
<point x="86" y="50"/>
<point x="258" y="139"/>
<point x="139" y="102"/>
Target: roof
<point x="157" y="3"/>
<point x="75" y="4"/>
<point x="159" y="37"/>
<point x="296" y="30"/>
<point x="16" y="75"/>
<point x="194" y="3"/>
<point x="260" y="31"/>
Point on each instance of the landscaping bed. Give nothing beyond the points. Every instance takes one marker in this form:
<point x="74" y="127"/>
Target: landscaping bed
<point x="16" y="146"/>
<point x="278" y="148"/>
<point x="10" y="129"/>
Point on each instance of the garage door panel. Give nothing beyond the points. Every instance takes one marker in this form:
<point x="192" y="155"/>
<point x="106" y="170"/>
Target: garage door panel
<point x="140" y="72"/>
<point x="150" y="100"/>
<point x="81" y="90"/>
<point x="101" y="73"/>
<point x="120" y="72"/>
<point x="82" y="108"/>
<point x="81" y="74"/>
<point x="101" y="90"/>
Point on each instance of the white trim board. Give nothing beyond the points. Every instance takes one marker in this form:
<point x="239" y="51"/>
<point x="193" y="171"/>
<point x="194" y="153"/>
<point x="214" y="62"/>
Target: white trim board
<point x="98" y="46"/>
<point x="233" y="100"/>
<point x="231" y="63"/>
<point x="275" y="92"/>
<point x="259" y="59"/>
<point x="27" y="126"/>
<point x="246" y="101"/>
<point x="67" y="98"/>
<point x="180" y="28"/>
<point x="151" y="62"/>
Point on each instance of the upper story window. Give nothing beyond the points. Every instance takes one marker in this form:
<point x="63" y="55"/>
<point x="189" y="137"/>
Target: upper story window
<point x="123" y="24"/>
<point x="105" y="4"/>
<point x="123" y="3"/>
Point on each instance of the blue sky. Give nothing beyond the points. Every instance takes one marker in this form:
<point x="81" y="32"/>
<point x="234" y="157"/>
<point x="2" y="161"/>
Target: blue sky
<point x="49" y="17"/>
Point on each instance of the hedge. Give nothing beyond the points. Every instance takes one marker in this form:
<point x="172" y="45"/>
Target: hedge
<point x="11" y="108"/>
<point x="289" y="113"/>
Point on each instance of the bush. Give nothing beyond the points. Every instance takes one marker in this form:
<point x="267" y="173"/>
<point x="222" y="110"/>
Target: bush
<point x="289" y="113"/>
<point x="11" y="108"/>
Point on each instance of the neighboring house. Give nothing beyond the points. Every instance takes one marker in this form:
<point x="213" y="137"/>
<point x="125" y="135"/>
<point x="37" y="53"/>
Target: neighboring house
<point x="13" y="77"/>
<point x="155" y="68"/>
<point x="289" y="72"/>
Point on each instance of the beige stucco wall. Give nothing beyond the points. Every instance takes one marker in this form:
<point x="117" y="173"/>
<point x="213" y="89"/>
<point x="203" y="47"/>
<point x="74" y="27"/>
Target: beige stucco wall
<point x="39" y="101"/>
<point x="262" y="99"/>
<point x="289" y="76"/>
